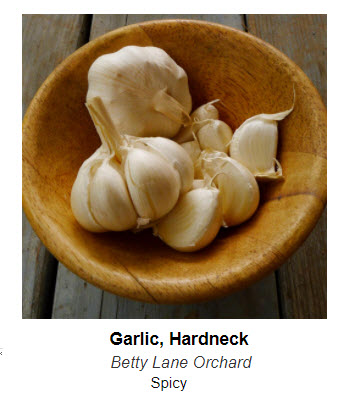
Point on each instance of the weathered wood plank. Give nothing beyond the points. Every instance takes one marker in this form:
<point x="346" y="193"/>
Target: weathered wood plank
<point x="47" y="40"/>
<point x="302" y="279"/>
<point x="235" y="20"/>
<point x="259" y="301"/>
<point x="256" y="302"/>
<point x="74" y="298"/>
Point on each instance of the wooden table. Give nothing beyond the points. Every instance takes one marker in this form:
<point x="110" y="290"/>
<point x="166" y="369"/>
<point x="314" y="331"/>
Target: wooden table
<point x="296" y="290"/>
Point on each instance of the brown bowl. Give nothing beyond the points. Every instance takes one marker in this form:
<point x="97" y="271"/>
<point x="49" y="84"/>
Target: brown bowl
<point x="249" y="77"/>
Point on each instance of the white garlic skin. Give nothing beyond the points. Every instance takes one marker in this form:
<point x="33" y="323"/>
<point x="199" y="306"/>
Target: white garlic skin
<point x="193" y="150"/>
<point x="255" y="146"/>
<point x="144" y="91"/>
<point x="237" y="185"/>
<point x="194" y="222"/>
<point x="80" y="196"/>
<point x="199" y="116"/>
<point x="154" y="185"/>
<point x="205" y="112"/>
<point x="216" y="135"/>
<point x="110" y="201"/>
<point x="175" y="155"/>
<point x="99" y="199"/>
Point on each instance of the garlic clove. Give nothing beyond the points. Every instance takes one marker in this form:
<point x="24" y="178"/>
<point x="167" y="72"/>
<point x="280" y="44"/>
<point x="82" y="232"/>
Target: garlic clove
<point x="154" y="185"/>
<point x="237" y="185"/>
<point x="110" y="201"/>
<point x="216" y="135"/>
<point x="206" y="112"/>
<point x="199" y="116"/>
<point x="193" y="150"/>
<point x="194" y="222"/>
<point x="175" y="155"/>
<point x="143" y="89"/>
<point x="80" y="194"/>
<point x="254" y="144"/>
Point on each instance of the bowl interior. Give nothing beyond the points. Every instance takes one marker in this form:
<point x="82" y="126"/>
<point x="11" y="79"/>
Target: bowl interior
<point x="249" y="77"/>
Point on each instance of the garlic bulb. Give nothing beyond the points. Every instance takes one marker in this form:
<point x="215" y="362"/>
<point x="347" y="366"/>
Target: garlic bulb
<point x="216" y="135"/>
<point x="237" y="185"/>
<point x="154" y="185"/>
<point x="174" y="154"/>
<point x="198" y="119"/>
<point x="99" y="199"/>
<point x="254" y="144"/>
<point x="144" y="91"/>
<point x="194" y="222"/>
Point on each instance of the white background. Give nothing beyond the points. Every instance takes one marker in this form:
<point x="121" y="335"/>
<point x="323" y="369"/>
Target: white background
<point x="70" y="359"/>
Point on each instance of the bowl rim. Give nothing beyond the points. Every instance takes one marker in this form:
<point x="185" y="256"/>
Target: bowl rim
<point x="69" y="263"/>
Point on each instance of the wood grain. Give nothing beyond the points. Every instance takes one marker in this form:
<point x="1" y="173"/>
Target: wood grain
<point x="58" y="135"/>
<point x="258" y="301"/>
<point x="302" y="279"/>
<point x="96" y="303"/>
<point x="47" y="40"/>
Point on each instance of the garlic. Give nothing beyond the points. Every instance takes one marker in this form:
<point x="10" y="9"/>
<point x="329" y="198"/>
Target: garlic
<point x="80" y="194"/>
<point x="216" y="135"/>
<point x="254" y="144"/>
<point x="110" y="200"/>
<point x="143" y="90"/>
<point x="198" y="184"/>
<point x="174" y="154"/>
<point x="99" y="199"/>
<point x="194" y="222"/>
<point x="193" y="149"/>
<point x="206" y="112"/>
<point x="237" y="185"/>
<point x="198" y="119"/>
<point x="154" y="185"/>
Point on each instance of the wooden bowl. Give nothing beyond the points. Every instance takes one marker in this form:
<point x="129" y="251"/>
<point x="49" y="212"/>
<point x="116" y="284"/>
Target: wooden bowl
<point x="249" y="77"/>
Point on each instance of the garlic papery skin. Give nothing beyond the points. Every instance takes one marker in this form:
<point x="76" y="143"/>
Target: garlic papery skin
<point x="206" y="112"/>
<point x="216" y="135"/>
<point x="110" y="201"/>
<point x="237" y="185"/>
<point x="254" y="144"/>
<point x="194" y="222"/>
<point x="198" y="184"/>
<point x="144" y="91"/>
<point x="174" y="154"/>
<point x="154" y="185"/>
<point x="198" y="119"/>
<point x="193" y="150"/>
<point x="80" y="194"/>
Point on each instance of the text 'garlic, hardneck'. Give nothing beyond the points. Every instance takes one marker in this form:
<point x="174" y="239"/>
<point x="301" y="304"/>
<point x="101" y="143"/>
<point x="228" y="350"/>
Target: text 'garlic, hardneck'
<point x="237" y="185"/>
<point x="144" y="91"/>
<point x="194" y="222"/>
<point x="198" y="119"/>
<point x="254" y="144"/>
<point x="99" y="199"/>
